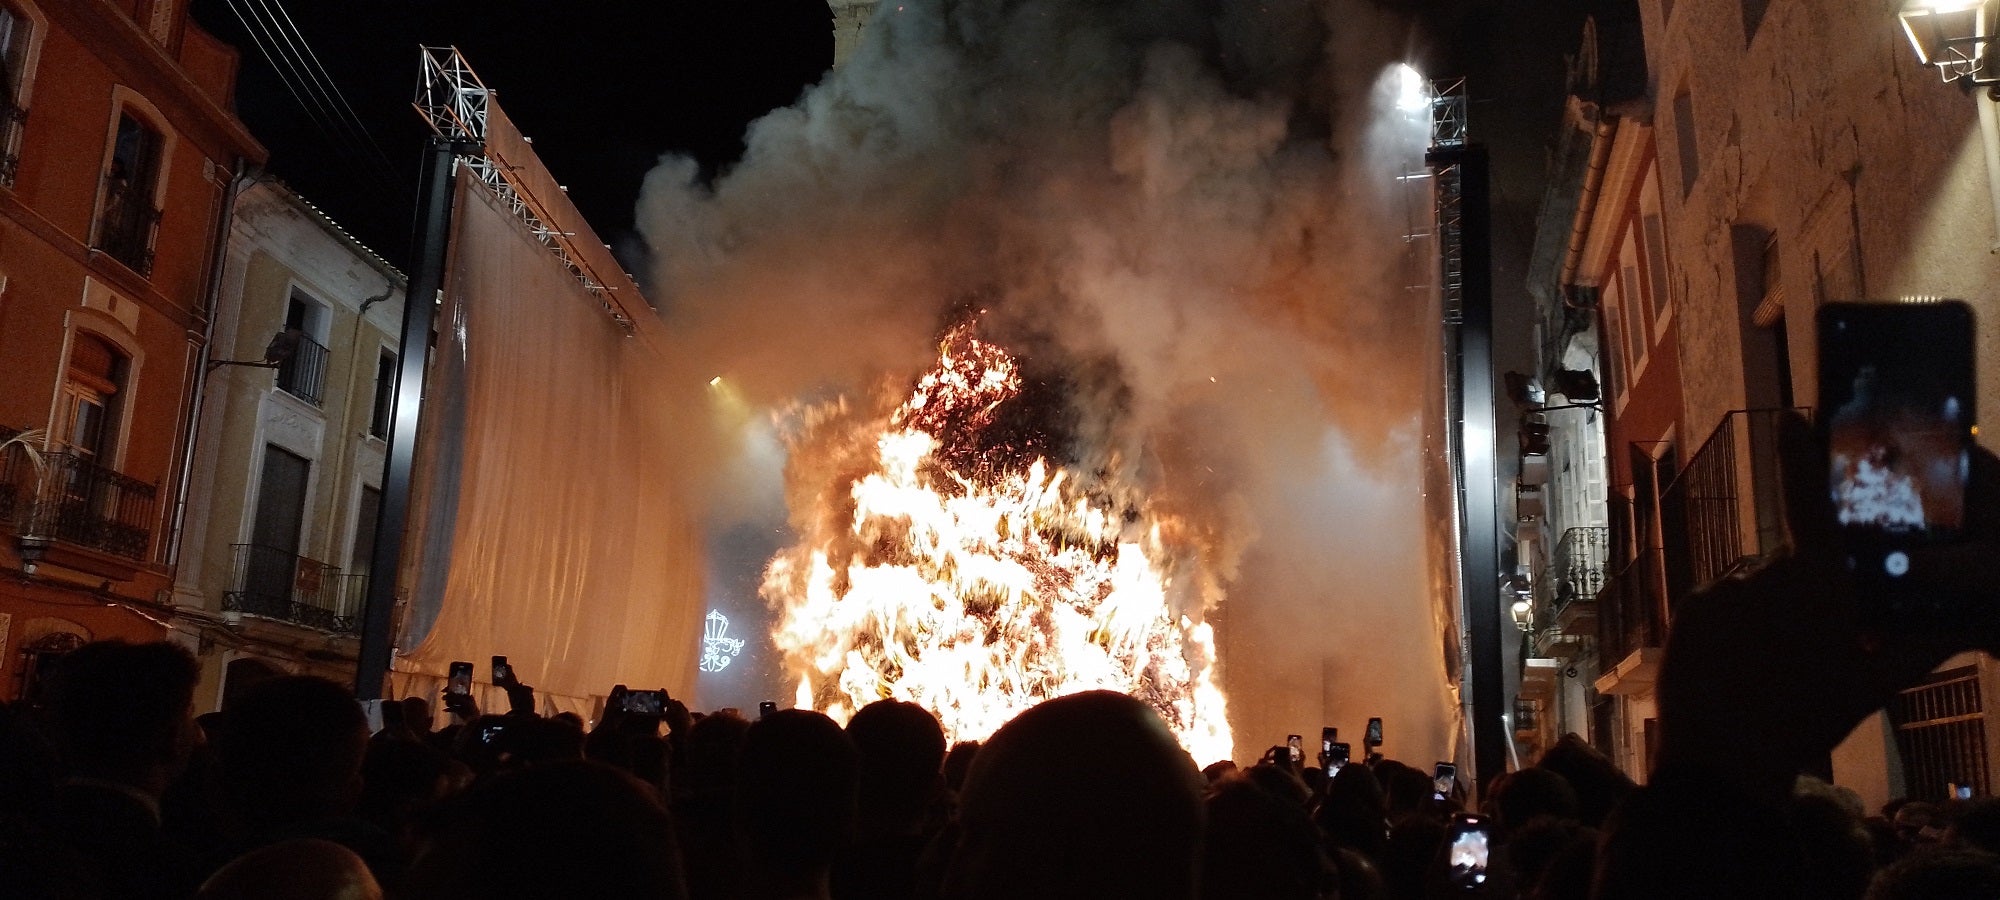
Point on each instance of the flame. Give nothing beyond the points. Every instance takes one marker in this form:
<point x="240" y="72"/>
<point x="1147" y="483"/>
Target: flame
<point x="957" y="577"/>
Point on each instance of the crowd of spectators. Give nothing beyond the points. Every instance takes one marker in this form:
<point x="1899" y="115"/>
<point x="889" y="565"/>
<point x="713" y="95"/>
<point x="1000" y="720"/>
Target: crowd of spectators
<point x="111" y="788"/>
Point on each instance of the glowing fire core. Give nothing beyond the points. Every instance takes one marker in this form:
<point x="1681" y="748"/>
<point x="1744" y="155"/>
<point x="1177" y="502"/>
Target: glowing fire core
<point x="977" y="582"/>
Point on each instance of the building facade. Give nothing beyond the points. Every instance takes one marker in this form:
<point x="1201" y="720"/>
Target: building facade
<point x="118" y="150"/>
<point x="1778" y="155"/>
<point x="288" y="463"/>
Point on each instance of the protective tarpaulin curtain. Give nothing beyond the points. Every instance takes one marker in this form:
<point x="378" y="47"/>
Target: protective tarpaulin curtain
<point x="543" y="526"/>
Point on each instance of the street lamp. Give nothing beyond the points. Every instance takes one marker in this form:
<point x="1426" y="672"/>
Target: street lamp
<point x="1956" y="37"/>
<point x="1952" y="35"/>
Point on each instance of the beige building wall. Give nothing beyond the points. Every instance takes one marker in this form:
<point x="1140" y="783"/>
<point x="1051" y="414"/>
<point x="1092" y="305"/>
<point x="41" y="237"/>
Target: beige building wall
<point x="1815" y="126"/>
<point x="281" y="247"/>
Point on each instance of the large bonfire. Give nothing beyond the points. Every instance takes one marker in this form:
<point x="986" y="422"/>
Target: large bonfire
<point x="951" y="563"/>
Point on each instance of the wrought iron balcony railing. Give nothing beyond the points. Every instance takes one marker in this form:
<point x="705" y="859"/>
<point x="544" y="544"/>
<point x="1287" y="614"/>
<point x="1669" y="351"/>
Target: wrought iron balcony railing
<point x="303" y="373"/>
<point x="1577" y="572"/>
<point x="1727" y="505"/>
<point x="1632" y="609"/>
<point x="278" y="584"/>
<point x="72" y="499"/>
<point x="128" y="224"/>
<point x="13" y="120"/>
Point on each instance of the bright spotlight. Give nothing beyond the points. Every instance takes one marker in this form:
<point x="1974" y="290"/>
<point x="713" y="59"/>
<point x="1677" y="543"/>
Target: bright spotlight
<point x="1412" y="93"/>
<point x="713" y="382"/>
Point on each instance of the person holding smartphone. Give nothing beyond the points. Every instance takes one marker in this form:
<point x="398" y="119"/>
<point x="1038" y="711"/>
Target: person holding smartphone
<point x="1765" y="673"/>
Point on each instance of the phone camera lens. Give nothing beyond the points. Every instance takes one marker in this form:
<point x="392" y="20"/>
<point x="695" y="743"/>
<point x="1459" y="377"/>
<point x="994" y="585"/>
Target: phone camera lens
<point x="1897" y="564"/>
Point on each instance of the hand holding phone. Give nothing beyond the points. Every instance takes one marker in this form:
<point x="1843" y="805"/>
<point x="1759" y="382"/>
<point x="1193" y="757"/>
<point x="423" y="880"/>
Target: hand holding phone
<point x="1443" y="779"/>
<point x="1468" y="848"/>
<point x="1337" y="755"/>
<point x="503" y="674"/>
<point x="1374" y="736"/>
<point x="459" y="680"/>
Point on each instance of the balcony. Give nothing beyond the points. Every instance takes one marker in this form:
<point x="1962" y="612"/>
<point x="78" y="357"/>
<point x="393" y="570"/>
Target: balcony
<point x="127" y="226"/>
<point x="13" y="119"/>
<point x="1632" y="611"/>
<point x="276" y="584"/>
<point x="1726" y="507"/>
<point x="72" y="512"/>
<point x="302" y="374"/>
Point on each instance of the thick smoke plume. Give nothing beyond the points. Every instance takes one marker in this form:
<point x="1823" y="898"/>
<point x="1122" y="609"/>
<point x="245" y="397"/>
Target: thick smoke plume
<point x="1186" y="212"/>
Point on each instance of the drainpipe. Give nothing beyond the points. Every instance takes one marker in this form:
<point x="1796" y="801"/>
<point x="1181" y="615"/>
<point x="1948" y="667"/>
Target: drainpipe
<point x="1593" y="181"/>
<point x="244" y="177"/>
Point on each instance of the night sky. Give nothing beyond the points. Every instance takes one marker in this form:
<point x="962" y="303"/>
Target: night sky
<point x="604" y="87"/>
<point x="607" y="86"/>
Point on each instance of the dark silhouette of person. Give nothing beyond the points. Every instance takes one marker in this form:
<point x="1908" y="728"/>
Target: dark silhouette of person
<point x="559" y="829"/>
<point x="705" y="805"/>
<point x="1260" y="846"/>
<point x="795" y="801"/>
<point x="124" y="725"/>
<point x="902" y="750"/>
<point x="288" y="758"/>
<point x="1085" y="796"/>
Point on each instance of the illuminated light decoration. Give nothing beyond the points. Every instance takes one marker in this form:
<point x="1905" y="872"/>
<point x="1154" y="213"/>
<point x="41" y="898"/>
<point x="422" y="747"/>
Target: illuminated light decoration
<point x="718" y="649"/>
<point x="1953" y="36"/>
<point x="978" y="581"/>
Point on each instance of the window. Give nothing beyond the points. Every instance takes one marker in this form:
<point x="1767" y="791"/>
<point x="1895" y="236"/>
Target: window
<point x="1656" y="265"/>
<point x="127" y="219"/>
<point x="1684" y="140"/>
<point x="1941" y="731"/>
<point x="302" y="363"/>
<point x="14" y="35"/>
<point x="385" y="395"/>
<point x="92" y="392"/>
<point x="268" y="565"/>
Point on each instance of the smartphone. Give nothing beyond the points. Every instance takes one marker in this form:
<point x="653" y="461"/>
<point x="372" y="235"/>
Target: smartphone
<point x="490" y="732"/>
<point x="1469" y="846"/>
<point x="1443" y="778"/>
<point x="502" y="672"/>
<point x="1327" y="735"/>
<point x="766" y="708"/>
<point x="1336" y="758"/>
<point x="1295" y="747"/>
<point x="645" y="703"/>
<point x="1374" y="736"/>
<point x="1897" y="414"/>
<point x="460" y="680"/>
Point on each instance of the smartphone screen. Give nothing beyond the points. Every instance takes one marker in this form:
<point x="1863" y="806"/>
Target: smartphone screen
<point x="1443" y="778"/>
<point x="1374" y="738"/>
<point x="460" y="681"/>
<point x="1896" y="403"/>
<point x="502" y="672"/>
<point x="1336" y="758"/>
<point x="1327" y="735"/>
<point x="766" y="708"/>
<point x="1469" y="848"/>
<point x="646" y="703"/>
<point x="1295" y="747"/>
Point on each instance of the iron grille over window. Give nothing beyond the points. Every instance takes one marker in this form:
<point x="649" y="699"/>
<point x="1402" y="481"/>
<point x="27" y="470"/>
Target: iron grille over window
<point x="1941" y="731"/>
<point x="303" y="373"/>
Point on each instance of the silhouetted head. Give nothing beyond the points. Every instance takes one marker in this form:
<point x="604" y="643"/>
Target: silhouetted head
<point x="1084" y="796"/>
<point x="291" y="751"/>
<point x="711" y="751"/>
<point x="1353" y="814"/>
<point x="304" y="869"/>
<point x="958" y="764"/>
<point x="902" y="754"/>
<point x="1600" y="785"/>
<point x="795" y="791"/>
<point x="1258" y="845"/>
<point x="563" y="829"/>
<point x="1939" y="873"/>
<point x="1530" y="793"/>
<point x="121" y="710"/>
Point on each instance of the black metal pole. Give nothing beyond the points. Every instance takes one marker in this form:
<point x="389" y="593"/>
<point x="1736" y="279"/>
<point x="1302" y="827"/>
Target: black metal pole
<point x="419" y="315"/>
<point x="1481" y="499"/>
